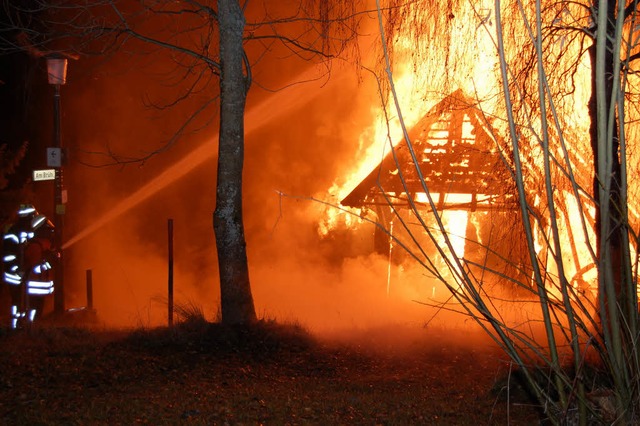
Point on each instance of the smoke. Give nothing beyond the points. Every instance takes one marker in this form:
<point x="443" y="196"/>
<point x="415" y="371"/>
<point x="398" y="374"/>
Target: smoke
<point x="299" y="142"/>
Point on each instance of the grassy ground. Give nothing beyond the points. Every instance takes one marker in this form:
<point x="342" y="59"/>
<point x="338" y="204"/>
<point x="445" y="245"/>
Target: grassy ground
<point x="203" y="373"/>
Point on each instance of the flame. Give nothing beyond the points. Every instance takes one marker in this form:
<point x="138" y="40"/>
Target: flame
<point x="373" y="145"/>
<point x="473" y="56"/>
<point x="386" y="129"/>
<point x="469" y="64"/>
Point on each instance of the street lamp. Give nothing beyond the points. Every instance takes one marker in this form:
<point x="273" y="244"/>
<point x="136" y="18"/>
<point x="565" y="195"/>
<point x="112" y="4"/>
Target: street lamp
<point x="57" y="75"/>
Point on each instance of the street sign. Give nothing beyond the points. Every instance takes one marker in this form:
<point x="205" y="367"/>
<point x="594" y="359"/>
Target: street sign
<point x="54" y="157"/>
<point x="46" y="174"/>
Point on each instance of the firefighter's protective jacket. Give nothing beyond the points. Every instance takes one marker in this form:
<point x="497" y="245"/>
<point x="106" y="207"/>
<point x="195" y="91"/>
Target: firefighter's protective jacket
<point x="27" y="258"/>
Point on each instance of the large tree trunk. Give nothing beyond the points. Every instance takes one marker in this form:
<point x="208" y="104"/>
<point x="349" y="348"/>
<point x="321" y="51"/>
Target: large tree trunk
<point x="235" y="290"/>
<point x="614" y="237"/>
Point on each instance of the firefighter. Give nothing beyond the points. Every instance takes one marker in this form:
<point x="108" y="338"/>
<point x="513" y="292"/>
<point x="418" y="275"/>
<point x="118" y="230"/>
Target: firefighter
<point x="28" y="256"/>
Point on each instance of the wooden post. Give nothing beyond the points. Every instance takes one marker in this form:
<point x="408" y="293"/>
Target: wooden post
<point x="89" y="289"/>
<point x="170" y="269"/>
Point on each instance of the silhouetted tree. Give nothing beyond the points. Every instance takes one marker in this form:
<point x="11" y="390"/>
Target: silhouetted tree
<point x="585" y="24"/>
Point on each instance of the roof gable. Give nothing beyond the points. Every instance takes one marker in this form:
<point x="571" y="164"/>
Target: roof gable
<point x="456" y="154"/>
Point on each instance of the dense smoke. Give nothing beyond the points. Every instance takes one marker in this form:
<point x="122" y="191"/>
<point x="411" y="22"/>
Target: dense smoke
<point x="300" y="141"/>
<point x="323" y="282"/>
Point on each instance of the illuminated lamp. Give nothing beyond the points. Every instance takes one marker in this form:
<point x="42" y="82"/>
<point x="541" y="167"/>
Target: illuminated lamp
<point x="56" y="69"/>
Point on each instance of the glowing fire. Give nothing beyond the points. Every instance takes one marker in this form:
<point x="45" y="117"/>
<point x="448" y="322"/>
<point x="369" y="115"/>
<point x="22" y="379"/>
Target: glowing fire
<point x="373" y="146"/>
<point x="469" y="64"/>
<point x="473" y="55"/>
<point x="374" y="141"/>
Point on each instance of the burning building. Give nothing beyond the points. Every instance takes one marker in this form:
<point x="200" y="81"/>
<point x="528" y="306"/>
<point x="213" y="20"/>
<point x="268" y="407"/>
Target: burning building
<point x="456" y="164"/>
<point x="456" y="161"/>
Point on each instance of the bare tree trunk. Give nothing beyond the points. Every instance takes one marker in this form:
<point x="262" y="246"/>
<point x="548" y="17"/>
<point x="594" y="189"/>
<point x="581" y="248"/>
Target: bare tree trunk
<point x="235" y="290"/>
<point x="614" y="237"/>
<point x="615" y="308"/>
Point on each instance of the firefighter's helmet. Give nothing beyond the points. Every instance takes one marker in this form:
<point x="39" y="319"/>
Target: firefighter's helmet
<point x="26" y="210"/>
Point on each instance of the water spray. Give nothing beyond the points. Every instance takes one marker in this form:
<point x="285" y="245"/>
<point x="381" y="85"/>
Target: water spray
<point x="295" y="95"/>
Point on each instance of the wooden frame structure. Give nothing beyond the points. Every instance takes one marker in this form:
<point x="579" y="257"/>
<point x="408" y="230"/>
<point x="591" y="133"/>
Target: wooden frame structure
<point x="457" y="153"/>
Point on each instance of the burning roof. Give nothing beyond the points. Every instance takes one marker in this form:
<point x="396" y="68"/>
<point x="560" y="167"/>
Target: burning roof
<point x="457" y="153"/>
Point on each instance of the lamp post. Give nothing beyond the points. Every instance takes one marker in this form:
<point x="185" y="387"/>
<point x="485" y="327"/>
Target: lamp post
<point x="57" y="75"/>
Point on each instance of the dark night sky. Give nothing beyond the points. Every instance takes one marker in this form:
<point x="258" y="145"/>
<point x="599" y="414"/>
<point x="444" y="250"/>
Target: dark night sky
<point x="23" y="115"/>
<point x="14" y="94"/>
<point x="25" y="102"/>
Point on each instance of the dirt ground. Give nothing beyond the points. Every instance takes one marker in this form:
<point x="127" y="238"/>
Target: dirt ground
<point x="203" y="373"/>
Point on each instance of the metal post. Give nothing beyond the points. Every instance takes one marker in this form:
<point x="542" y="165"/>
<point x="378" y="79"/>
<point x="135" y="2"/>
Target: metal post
<point x="58" y="210"/>
<point x="170" y="260"/>
<point x="89" y="290"/>
<point x="389" y="260"/>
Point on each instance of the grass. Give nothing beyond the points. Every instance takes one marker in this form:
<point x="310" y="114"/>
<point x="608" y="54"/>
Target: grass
<point x="269" y="373"/>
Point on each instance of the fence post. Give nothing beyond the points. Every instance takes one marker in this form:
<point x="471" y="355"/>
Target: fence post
<point x="170" y="272"/>
<point x="89" y="289"/>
